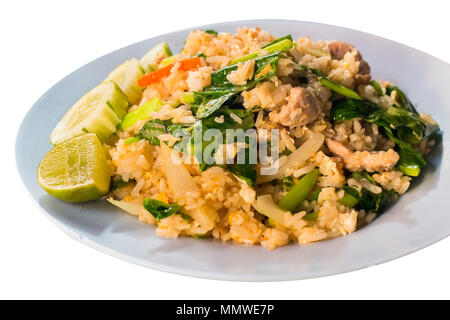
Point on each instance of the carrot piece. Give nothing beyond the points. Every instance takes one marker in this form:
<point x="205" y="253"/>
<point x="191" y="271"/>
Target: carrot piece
<point x="155" y="76"/>
<point x="191" y="63"/>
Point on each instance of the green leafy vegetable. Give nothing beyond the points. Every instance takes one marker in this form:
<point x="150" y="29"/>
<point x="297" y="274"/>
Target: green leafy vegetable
<point x="286" y="183"/>
<point x="372" y="202"/>
<point x="409" y="163"/>
<point x="208" y="108"/>
<point x="247" y="57"/>
<point x="213" y="32"/>
<point x="298" y="193"/>
<point x="159" y="209"/>
<point x="288" y="37"/>
<point x="408" y="125"/>
<point x="330" y="84"/>
<point x="351" y="197"/>
<point x="246" y="170"/>
<point x="314" y="196"/>
<point x="369" y="201"/>
<point x="339" y="88"/>
<point x="228" y="121"/>
<point x="313" y="216"/>
<point x="188" y="97"/>
<point x="131" y="140"/>
<point x="285" y="152"/>
<point x="141" y="113"/>
<point x="201" y="55"/>
<point x="151" y="130"/>
<point x="400" y="125"/>
<point x="119" y="184"/>
<point x="265" y="67"/>
<point x="377" y="87"/>
<point x="185" y="216"/>
<point x="188" y="143"/>
<point x="167" y="61"/>
<point x="358" y="175"/>
<point x="221" y="91"/>
<point x="219" y="77"/>
<point x="401" y="98"/>
<point x="347" y="109"/>
<point x="206" y="235"/>
<point x="405" y="103"/>
<point x="278" y="45"/>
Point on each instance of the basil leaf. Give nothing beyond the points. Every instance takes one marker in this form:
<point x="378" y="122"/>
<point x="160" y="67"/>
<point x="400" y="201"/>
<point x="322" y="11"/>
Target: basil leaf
<point x="400" y="125"/>
<point x="401" y="98"/>
<point x="151" y="130"/>
<point x="285" y="182"/>
<point x="214" y="96"/>
<point x="313" y="216"/>
<point x="347" y="109"/>
<point x="208" y="108"/>
<point x="358" y="175"/>
<point x="119" y="184"/>
<point x="372" y="202"/>
<point x="351" y="197"/>
<point x="213" y="32"/>
<point x="377" y="87"/>
<point x="330" y="84"/>
<point x="159" y="209"/>
<point x="245" y="171"/>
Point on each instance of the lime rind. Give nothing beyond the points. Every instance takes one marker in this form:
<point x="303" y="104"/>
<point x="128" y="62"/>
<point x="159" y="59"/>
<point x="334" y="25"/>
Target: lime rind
<point x="75" y="170"/>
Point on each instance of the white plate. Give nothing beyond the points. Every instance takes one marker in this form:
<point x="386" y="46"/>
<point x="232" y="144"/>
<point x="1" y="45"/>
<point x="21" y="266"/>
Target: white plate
<point x="420" y="218"/>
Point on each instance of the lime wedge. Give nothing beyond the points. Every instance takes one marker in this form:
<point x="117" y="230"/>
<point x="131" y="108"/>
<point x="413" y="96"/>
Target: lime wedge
<point x="75" y="170"/>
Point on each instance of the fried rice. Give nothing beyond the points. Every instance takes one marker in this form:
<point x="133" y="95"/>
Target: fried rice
<point x="220" y="204"/>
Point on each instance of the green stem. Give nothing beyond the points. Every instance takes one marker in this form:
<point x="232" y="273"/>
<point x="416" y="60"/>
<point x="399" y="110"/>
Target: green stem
<point x="299" y="192"/>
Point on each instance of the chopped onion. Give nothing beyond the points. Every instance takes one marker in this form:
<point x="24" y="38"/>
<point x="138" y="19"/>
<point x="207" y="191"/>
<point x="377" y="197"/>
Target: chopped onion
<point x="205" y="216"/>
<point x="130" y="207"/>
<point x="303" y="153"/>
<point x="264" y="204"/>
<point x="178" y="177"/>
<point x="182" y="184"/>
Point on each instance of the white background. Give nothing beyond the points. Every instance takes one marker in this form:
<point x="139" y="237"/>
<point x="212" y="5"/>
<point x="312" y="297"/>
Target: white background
<point x="43" y="41"/>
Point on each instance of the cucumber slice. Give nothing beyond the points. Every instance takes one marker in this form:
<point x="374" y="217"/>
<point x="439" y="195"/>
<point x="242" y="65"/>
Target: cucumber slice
<point x="126" y="76"/>
<point x="94" y="112"/>
<point x="118" y="100"/>
<point x="151" y="60"/>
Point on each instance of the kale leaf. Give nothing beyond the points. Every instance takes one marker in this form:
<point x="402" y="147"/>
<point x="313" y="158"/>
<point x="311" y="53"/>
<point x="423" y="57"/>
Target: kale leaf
<point x="159" y="209"/>
<point x="400" y="125"/>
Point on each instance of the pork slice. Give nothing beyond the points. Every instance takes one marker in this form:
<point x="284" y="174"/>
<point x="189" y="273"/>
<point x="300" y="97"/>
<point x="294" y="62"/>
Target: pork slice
<point x="302" y="108"/>
<point x="338" y="49"/>
<point x="376" y="161"/>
